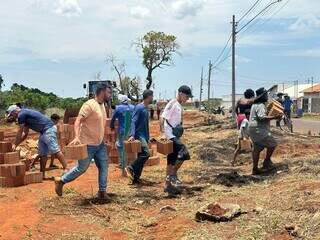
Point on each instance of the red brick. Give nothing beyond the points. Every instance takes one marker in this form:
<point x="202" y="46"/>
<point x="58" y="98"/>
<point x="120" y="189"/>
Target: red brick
<point x="5" y="147"/>
<point x="77" y="152"/>
<point x="113" y="160"/>
<point x="12" y="181"/>
<point x="12" y="170"/>
<point x="11" y="157"/>
<point x="164" y="147"/>
<point x="132" y="147"/>
<point x="1" y="135"/>
<point x="33" y="177"/>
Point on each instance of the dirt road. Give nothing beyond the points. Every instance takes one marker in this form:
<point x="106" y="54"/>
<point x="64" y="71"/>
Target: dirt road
<point x="305" y="126"/>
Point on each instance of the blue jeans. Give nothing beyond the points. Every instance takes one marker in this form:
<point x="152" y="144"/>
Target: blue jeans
<point x="120" y="147"/>
<point x="143" y="156"/>
<point x="99" y="154"/>
<point x="48" y="142"/>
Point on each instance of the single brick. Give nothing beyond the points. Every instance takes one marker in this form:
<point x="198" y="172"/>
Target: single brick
<point x="76" y="152"/>
<point x="164" y="147"/>
<point x="8" y="182"/>
<point x="133" y="146"/>
<point x="5" y="147"/>
<point x="11" y="157"/>
<point x="1" y="135"/>
<point x="33" y="177"/>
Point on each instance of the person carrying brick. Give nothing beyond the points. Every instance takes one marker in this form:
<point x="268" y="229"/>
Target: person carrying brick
<point x="89" y="129"/>
<point x="48" y="140"/>
<point x="259" y="131"/>
<point x="171" y="126"/>
<point x="140" y="131"/>
<point x="123" y="114"/>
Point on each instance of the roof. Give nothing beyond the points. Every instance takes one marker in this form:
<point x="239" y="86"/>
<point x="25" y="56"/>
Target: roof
<point x="314" y="89"/>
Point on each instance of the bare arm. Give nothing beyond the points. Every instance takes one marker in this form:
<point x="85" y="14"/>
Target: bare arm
<point x="22" y="134"/>
<point x="77" y="125"/>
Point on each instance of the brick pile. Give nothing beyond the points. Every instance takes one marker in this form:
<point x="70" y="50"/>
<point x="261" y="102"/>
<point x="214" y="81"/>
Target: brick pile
<point x="13" y="170"/>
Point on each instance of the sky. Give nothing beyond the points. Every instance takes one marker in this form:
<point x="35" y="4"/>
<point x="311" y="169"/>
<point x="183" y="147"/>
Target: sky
<point x="57" y="45"/>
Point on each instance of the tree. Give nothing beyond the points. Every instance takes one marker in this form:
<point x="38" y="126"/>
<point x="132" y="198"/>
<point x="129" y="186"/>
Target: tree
<point x="1" y="82"/>
<point x="127" y="85"/>
<point x="158" y="49"/>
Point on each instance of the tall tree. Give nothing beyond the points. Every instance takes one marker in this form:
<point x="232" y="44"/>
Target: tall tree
<point x="158" y="50"/>
<point x="127" y="85"/>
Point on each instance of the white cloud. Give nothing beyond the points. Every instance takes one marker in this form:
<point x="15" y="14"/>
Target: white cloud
<point x="183" y="8"/>
<point x="306" y="23"/>
<point x="140" y="12"/>
<point x="68" y="8"/>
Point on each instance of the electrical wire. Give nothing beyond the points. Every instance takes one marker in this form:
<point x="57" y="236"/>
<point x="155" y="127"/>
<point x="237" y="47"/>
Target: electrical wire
<point x="252" y="8"/>
<point x="221" y="53"/>
<point x="263" y="10"/>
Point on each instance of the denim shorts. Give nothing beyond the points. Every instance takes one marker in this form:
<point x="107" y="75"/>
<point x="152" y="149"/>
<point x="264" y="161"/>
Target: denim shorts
<point x="48" y="142"/>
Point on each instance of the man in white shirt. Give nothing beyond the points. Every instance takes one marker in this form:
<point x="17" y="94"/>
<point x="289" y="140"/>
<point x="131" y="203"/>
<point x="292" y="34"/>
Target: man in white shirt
<point x="171" y="126"/>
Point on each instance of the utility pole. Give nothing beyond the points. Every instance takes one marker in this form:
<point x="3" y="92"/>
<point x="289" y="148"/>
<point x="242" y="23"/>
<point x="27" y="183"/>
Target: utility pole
<point x="234" y="66"/>
<point x="209" y="80"/>
<point x="201" y="84"/>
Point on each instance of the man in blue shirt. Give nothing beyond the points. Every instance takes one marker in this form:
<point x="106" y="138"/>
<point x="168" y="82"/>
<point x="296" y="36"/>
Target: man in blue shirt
<point x="140" y="131"/>
<point x="287" y="103"/>
<point x="123" y="113"/>
<point x="48" y="141"/>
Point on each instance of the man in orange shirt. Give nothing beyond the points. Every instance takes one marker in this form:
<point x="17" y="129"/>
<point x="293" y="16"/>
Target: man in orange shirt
<point x="89" y="129"/>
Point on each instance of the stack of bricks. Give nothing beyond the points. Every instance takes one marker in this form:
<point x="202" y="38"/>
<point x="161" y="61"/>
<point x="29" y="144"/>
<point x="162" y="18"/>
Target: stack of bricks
<point x="12" y="170"/>
<point x="65" y="134"/>
<point x="111" y="138"/>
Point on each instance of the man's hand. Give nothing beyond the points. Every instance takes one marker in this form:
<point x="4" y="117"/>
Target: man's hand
<point x="131" y="139"/>
<point x="14" y="147"/>
<point x="75" y="141"/>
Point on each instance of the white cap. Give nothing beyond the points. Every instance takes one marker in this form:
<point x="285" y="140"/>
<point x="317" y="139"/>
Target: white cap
<point x="12" y="109"/>
<point x="123" y="98"/>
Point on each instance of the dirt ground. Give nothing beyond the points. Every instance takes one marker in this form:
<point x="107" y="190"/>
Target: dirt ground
<point x="280" y="205"/>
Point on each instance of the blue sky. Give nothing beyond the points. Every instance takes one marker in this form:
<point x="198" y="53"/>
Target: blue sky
<point x="57" y="45"/>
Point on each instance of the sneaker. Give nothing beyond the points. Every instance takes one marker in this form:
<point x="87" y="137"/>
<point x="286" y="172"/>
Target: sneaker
<point x="130" y="173"/>
<point x="177" y="180"/>
<point x="174" y="180"/>
<point x="171" y="190"/>
<point x="58" y="186"/>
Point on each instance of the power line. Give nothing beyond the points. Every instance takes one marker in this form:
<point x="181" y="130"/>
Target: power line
<point x="221" y="53"/>
<point x="266" y="20"/>
<point x="252" y="8"/>
<point x="262" y="11"/>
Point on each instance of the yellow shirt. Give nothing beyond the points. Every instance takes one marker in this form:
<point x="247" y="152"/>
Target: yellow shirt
<point x="94" y="123"/>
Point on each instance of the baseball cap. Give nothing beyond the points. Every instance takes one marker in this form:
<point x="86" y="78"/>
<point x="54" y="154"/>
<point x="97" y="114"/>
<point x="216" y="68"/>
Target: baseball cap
<point x="12" y="109"/>
<point x="186" y="90"/>
<point x="123" y="98"/>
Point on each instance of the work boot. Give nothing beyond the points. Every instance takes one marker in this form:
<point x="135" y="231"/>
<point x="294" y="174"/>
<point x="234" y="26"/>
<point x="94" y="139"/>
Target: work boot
<point x="103" y="196"/>
<point x="174" y="180"/>
<point x="58" y="186"/>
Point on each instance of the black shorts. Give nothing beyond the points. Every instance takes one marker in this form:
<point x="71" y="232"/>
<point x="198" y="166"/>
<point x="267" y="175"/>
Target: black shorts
<point x="177" y="147"/>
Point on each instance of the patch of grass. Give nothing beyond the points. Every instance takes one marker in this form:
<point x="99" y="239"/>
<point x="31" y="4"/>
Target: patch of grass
<point x="69" y="191"/>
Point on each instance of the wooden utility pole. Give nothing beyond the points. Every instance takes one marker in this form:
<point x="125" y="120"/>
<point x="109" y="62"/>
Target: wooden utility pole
<point x="209" y="80"/>
<point x="233" y="66"/>
<point x="201" y="85"/>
